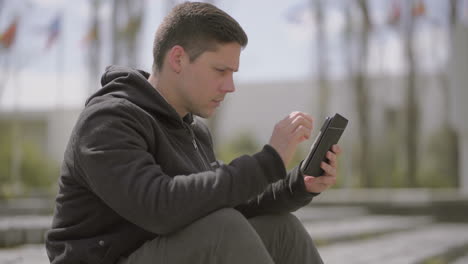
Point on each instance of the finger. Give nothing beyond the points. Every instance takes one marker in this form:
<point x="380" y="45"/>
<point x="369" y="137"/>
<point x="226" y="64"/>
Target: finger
<point x="297" y="113"/>
<point x="329" y="170"/>
<point x="328" y="180"/>
<point x="309" y="179"/>
<point x="301" y="121"/>
<point x="336" y="149"/>
<point x="301" y="133"/>
<point x="319" y="184"/>
<point x="332" y="159"/>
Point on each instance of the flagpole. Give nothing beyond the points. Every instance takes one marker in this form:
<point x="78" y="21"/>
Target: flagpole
<point x="60" y="65"/>
<point x="16" y="151"/>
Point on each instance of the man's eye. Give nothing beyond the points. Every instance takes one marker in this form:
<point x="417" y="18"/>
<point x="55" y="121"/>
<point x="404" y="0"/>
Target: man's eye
<point x="220" y="70"/>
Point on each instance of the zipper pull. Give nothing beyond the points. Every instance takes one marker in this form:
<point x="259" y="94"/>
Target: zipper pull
<point x="194" y="144"/>
<point x="193" y="138"/>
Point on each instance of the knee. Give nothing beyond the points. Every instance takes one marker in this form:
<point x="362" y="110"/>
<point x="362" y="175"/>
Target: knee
<point x="288" y="221"/>
<point x="229" y="220"/>
<point x="224" y="214"/>
<point x="232" y="229"/>
<point x="289" y="224"/>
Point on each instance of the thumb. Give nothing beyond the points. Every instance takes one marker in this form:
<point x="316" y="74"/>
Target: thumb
<point x="308" y="178"/>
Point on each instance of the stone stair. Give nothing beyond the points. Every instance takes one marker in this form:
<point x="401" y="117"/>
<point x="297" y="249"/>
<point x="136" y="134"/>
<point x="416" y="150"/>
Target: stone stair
<point x="413" y="246"/>
<point x="23" y="229"/>
<point x="343" y="235"/>
<point x="26" y="254"/>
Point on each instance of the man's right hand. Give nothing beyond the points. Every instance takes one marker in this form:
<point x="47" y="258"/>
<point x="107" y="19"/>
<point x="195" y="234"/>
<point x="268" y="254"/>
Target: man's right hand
<point x="289" y="132"/>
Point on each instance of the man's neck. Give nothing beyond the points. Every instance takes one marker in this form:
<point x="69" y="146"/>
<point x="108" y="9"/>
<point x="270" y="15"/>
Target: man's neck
<point x="159" y="85"/>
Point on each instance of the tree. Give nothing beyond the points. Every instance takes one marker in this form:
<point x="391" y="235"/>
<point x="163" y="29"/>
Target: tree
<point x="127" y="18"/>
<point x="322" y="57"/>
<point x="448" y="130"/>
<point x="94" y="46"/>
<point x="362" y="93"/>
<point x="412" y="104"/>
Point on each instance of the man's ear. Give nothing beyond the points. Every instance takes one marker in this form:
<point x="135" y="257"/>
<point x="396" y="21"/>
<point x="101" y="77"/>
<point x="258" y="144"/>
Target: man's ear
<point x="175" y="58"/>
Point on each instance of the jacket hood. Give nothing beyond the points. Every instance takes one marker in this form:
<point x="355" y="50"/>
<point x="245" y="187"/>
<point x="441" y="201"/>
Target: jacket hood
<point x="132" y="85"/>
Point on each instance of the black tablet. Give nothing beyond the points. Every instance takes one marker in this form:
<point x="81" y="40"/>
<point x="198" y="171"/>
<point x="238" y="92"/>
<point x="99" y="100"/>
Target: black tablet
<point x="329" y="134"/>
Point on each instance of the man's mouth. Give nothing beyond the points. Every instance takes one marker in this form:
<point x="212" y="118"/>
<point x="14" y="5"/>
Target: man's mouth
<point x="217" y="102"/>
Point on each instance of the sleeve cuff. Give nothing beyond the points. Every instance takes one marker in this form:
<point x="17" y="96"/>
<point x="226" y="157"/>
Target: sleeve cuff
<point x="297" y="184"/>
<point x="271" y="163"/>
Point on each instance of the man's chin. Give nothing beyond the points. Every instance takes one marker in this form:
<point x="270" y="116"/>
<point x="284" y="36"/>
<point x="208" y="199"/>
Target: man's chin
<point x="206" y="114"/>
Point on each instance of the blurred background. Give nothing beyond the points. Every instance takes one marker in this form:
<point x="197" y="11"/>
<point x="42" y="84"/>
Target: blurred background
<point x="397" y="69"/>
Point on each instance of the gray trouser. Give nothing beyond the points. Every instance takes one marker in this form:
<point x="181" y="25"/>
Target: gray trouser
<point x="227" y="237"/>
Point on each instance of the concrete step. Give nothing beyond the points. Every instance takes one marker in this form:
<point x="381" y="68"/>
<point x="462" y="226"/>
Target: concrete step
<point x="360" y="227"/>
<point x="461" y="260"/>
<point x="414" y="246"/>
<point x="30" y="229"/>
<point x="343" y="234"/>
<point x="411" y="246"/>
<point x="27" y="206"/>
<point x="24" y="229"/>
<point x="27" y="254"/>
<point x="314" y="213"/>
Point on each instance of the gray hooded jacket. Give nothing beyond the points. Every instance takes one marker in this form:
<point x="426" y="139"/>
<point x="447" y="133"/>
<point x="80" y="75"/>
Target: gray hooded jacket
<point x="133" y="170"/>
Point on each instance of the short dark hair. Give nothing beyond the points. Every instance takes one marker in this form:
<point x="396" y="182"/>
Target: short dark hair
<point x="197" y="27"/>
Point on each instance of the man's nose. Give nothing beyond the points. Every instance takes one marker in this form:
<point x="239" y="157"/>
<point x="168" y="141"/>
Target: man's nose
<point x="228" y="85"/>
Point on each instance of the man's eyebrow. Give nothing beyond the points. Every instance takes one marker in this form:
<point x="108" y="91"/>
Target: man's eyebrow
<point x="225" y="67"/>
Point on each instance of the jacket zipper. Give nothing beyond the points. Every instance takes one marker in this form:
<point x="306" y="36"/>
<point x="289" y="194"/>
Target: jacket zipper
<point x="195" y="145"/>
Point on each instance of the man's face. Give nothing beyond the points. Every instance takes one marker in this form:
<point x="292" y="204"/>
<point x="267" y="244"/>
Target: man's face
<point x="205" y="82"/>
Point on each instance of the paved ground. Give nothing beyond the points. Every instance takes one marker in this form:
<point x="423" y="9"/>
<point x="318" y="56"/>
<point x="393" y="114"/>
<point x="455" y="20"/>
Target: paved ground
<point x="344" y="234"/>
<point x="405" y="247"/>
<point x="462" y="260"/>
<point x="28" y="254"/>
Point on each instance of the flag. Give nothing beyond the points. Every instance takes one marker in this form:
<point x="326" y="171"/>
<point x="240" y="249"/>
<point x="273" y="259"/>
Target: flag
<point x="92" y="35"/>
<point x="418" y="9"/>
<point x="395" y="13"/>
<point x="7" y="38"/>
<point x="297" y="14"/>
<point x="132" y="26"/>
<point x="53" y="31"/>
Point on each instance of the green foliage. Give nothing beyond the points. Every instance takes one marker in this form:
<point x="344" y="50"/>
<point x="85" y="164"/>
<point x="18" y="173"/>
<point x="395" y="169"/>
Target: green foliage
<point x="246" y="144"/>
<point x="243" y="144"/>
<point x="5" y="157"/>
<point x="439" y="163"/>
<point x="438" y="167"/>
<point x="35" y="170"/>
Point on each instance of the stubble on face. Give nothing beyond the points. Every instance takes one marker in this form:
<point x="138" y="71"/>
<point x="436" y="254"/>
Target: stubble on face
<point x="208" y="79"/>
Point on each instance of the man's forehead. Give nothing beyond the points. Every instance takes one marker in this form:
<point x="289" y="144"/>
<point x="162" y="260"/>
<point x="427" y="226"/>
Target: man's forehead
<point x="226" y="55"/>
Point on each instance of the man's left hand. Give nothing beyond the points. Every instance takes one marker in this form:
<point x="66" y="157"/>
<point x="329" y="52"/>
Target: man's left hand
<point x="328" y="179"/>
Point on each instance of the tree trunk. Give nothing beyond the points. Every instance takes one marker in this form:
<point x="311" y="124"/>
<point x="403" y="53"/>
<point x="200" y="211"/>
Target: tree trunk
<point x="452" y="168"/>
<point x="412" y="106"/>
<point x="322" y="59"/>
<point x="94" y="52"/>
<point x="362" y="97"/>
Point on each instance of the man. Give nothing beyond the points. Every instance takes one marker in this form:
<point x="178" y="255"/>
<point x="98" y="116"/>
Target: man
<point x="140" y="182"/>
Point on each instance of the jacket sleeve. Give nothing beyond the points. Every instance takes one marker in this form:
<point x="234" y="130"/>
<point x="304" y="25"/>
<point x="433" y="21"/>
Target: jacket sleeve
<point x="111" y="155"/>
<point x="285" y="195"/>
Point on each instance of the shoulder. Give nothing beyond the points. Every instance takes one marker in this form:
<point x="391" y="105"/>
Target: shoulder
<point x="202" y="130"/>
<point x="111" y="115"/>
<point x="113" y="109"/>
